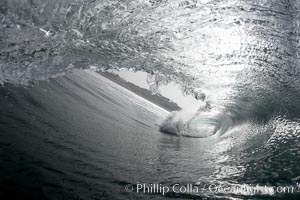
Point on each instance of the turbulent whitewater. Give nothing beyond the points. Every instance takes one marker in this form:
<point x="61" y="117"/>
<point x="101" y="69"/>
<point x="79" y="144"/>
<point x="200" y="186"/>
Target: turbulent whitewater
<point x="240" y="58"/>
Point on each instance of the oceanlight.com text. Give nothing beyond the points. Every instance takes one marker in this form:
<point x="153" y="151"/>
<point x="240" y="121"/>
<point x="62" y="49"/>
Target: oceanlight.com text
<point x="245" y="189"/>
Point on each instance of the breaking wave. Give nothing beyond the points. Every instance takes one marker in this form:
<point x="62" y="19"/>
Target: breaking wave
<point x="239" y="57"/>
<point x="200" y="125"/>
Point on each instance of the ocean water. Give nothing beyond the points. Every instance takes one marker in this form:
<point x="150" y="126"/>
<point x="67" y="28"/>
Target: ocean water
<point x="68" y="133"/>
<point x="77" y="137"/>
<point x="84" y="137"/>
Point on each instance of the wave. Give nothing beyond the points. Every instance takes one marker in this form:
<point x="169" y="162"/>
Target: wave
<point x="50" y="38"/>
<point x="198" y="125"/>
<point x="239" y="57"/>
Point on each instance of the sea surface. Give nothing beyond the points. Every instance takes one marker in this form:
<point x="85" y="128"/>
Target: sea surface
<point x="77" y="137"/>
<point x="82" y="136"/>
<point x="68" y="133"/>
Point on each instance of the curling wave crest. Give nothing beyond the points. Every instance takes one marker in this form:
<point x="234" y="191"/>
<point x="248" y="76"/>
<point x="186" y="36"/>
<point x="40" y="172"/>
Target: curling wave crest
<point x="232" y="55"/>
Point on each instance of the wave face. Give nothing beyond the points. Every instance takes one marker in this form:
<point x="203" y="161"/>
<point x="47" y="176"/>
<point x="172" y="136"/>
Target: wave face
<point x="82" y="136"/>
<point x="240" y="57"/>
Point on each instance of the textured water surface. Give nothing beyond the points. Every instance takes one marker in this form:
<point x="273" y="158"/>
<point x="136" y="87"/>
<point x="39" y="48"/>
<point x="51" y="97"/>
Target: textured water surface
<point x="239" y="57"/>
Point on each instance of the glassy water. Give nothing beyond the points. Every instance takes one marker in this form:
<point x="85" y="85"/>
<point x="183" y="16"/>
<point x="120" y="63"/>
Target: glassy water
<point x="84" y="137"/>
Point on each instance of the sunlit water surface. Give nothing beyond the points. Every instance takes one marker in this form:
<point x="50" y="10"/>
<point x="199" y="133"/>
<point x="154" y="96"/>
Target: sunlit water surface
<point x="84" y="137"/>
